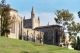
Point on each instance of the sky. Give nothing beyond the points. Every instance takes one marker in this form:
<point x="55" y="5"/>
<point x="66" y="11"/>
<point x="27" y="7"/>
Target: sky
<point x="45" y="9"/>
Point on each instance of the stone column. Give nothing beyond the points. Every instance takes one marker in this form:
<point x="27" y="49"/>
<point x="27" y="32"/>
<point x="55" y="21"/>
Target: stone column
<point x="27" y="35"/>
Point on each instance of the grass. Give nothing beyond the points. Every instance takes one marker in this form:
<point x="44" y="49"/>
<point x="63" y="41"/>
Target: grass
<point x="19" y="46"/>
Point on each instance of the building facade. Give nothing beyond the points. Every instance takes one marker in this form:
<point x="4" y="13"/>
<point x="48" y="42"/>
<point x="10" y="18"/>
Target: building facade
<point x="33" y="22"/>
<point x="51" y="33"/>
<point x="15" y="27"/>
<point x="32" y="35"/>
<point x="30" y="29"/>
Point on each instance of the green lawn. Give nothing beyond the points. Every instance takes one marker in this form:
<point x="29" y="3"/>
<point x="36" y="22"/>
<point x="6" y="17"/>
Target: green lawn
<point x="18" y="46"/>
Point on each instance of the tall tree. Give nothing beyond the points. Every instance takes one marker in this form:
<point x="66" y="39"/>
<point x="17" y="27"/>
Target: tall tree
<point x="75" y="28"/>
<point x="64" y="18"/>
<point x="5" y="18"/>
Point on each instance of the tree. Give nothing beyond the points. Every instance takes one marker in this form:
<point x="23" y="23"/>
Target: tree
<point x="77" y="44"/>
<point x="79" y="14"/>
<point x="74" y="29"/>
<point x="5" y="18"/>
<point x="64" y="18"/>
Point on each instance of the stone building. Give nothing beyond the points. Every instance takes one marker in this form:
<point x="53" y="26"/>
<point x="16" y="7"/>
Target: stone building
<point x="15" y="27"/>
<point x="33" y="22"/>
<point x="30" y="29"/>
<point x="24" y="28"/>
<point x="32" y="35"/>
<point x="51" y="33"/>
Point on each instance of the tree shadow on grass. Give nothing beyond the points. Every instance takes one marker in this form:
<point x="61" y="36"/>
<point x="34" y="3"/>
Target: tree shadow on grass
<point x="24" y="52"/>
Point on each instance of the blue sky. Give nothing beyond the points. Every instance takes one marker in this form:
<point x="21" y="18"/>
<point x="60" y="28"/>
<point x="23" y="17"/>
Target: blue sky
<point x="45" y="9"/>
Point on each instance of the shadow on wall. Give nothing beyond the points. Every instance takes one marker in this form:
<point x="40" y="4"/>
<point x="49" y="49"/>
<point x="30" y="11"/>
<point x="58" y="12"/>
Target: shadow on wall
<point x="47" y="39"/>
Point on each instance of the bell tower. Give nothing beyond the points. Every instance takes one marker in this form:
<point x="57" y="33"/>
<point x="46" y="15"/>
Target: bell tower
<point x="32" y="13"/>
<point x="34" y="20"/>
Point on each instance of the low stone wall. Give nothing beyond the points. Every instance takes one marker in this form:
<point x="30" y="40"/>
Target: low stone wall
<point x="12" y="35"/>
<point x="32" y="35"/>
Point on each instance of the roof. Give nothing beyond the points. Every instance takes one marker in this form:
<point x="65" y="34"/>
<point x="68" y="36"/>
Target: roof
<point x="47" y="26"/>
<point x="27" y="20"/>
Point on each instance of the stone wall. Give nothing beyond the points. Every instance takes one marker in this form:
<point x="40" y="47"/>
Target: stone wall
<point x="15" y="26"/>
<point x="52" y="34"/>
<point x="32" y="35"/>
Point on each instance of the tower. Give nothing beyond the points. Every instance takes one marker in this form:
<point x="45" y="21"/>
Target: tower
<point x="38" y="21"/>
<point x="48" y="24"/>
<point x="35" y="20"/>
<point x="32" y="13"/>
